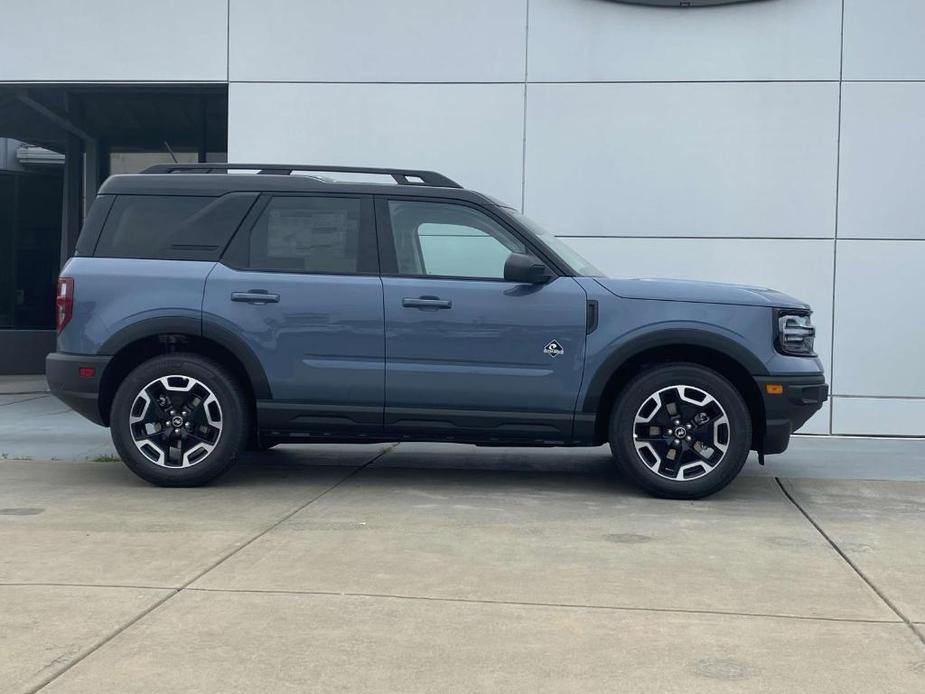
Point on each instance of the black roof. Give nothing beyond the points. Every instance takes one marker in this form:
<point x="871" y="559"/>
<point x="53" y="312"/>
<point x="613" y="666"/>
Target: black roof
<point x="214" y="179"/>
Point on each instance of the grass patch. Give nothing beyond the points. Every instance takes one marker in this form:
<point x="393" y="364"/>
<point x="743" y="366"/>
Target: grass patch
<point x="107" y="459"/>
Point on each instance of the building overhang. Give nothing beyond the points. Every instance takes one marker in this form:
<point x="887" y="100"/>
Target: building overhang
<point x="127" y="117"/>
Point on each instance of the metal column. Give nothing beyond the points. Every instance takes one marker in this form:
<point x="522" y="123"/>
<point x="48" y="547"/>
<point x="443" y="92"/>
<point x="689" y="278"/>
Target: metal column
<point x="72" y="207"/>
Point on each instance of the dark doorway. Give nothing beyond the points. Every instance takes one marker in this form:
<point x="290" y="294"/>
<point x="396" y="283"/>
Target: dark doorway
<point x="30" y="232"/>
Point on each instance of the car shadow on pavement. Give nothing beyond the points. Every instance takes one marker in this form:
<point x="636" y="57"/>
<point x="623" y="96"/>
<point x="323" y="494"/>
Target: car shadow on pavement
<point x="588" y="471"/>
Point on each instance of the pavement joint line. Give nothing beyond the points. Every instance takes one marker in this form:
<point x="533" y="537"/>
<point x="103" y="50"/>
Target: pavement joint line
<point x="95" y="647"/>
<point x="563" y="605"/>
<point x="58" y="584"/>
<point x="176" y="591"/>
<point x="20" y="402"/>
<point x="889" y="603"/>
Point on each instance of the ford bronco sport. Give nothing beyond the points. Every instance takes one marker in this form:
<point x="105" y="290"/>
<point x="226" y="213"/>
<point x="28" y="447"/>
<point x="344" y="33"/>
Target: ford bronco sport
<point x="214" y="308"/>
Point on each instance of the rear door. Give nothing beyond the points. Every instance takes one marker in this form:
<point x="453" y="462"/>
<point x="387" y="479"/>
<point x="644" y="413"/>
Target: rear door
<point x="469" y="354"/>
<point x="299" y="284"/>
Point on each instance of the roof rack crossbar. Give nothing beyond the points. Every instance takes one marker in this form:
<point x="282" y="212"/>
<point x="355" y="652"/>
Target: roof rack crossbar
<point x="405" y="177"/>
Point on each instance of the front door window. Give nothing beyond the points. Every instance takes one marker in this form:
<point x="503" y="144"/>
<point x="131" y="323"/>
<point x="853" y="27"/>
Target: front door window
<point x="434" y="239"/>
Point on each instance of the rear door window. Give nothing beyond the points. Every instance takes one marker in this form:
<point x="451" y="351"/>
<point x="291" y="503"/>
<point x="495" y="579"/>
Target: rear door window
<point x="310" y="234"/>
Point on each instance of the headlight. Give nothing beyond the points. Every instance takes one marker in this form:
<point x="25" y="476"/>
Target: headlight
<point x="795" y="333"/>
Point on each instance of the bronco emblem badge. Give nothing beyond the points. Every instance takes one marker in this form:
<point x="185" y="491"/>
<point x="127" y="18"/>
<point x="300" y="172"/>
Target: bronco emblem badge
<point x="553" y="349"/>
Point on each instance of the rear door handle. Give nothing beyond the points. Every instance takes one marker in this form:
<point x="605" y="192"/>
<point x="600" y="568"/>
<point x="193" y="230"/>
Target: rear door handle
<point x="426" y="302"/>
<point x="255" y="296"/>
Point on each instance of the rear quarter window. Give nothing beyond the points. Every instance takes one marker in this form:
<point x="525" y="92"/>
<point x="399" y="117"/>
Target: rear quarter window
<point x="172" y="227"/>
<point x="93" y="225"/>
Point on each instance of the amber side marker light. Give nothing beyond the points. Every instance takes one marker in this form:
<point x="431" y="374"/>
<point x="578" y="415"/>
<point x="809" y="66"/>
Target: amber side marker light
<point x="774" y="388"/>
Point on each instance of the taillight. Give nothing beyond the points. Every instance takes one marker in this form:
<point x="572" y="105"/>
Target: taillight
<point x="64" y="302"/>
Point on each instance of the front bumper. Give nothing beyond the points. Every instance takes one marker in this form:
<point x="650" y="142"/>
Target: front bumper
<point x="80" y="393"/>
<point x="787" y="411"/>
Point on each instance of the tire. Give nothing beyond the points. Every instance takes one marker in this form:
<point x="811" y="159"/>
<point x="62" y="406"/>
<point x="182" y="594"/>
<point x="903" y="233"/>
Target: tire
<point x="200" y="399"/>
<point x="656" y="408"/>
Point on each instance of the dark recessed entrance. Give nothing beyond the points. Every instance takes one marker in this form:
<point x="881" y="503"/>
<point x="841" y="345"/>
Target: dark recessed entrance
<point x="60" y="142"/>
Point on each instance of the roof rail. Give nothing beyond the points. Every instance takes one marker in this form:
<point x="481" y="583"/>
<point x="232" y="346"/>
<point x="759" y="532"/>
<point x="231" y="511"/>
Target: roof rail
<point x="402" y="176"/>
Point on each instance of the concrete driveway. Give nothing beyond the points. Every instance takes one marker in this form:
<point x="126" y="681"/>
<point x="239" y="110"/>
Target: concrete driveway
<point x="439" y="568"/>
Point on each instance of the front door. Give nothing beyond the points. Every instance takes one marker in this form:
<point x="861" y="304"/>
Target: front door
<point x="301" y="287"/>
<point x="468" y="354"/>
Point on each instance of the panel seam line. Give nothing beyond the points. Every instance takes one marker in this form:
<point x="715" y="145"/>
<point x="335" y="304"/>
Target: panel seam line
<point x="841" y="75"/>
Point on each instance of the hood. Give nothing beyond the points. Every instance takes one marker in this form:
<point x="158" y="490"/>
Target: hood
<point x="700" y="292"/>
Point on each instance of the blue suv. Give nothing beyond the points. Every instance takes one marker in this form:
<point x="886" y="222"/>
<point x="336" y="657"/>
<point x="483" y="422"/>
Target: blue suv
<point x="211" y="309"/>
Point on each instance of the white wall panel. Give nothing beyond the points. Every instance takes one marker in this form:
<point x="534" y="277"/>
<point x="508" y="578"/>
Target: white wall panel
<point x="882" y="159"/>
<point x="582" y="40"/>
<point x="802" y="268"/>
<point x="113" y="40"/>
<point x="884" y="39"/>
<point x="819" y="422"/>
<point x="471" y="133"/>
<point x="683" y="159"/>
<point x="878" y="416"/>
<point x="377" y="41"/>
<point x="692" y="143"/>
<point x="879" y="333"/>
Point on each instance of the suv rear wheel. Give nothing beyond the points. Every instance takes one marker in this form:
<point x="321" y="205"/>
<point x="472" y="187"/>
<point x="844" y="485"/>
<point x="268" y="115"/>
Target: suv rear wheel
<point x="680" y="431"/>
<point x="179" y="420"/>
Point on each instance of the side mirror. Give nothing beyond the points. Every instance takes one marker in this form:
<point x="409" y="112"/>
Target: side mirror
<point x="525" y="269"/>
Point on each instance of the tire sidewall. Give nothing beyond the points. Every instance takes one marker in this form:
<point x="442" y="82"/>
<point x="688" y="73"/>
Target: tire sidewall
<point x="641" y="388"/>
<point x="234" y="419"/>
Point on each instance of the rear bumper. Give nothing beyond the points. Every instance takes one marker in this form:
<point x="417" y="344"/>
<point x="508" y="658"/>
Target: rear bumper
<point x="786" y="412"/>
<point x="80" y="393"/>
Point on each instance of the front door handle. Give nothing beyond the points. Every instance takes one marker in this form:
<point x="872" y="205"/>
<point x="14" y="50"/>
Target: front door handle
<point x="255" y="296"/>
<point x="426" y="302"/>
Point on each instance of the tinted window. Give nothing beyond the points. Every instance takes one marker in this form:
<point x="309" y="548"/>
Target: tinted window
<point x="447" y="240"/>
<point x="327" y="235"/>
<point x="172" y="227"/>
<point x="93" y="225"/>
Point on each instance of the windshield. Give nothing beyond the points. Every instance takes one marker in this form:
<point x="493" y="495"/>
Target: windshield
<point x="581" y="266"/>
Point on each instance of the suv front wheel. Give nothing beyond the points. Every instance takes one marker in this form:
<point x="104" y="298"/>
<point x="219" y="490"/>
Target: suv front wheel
<point x="179" y="420"/>
<point x="680" y="431"/>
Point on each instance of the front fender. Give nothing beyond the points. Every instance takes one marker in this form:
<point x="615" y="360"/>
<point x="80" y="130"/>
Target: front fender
<point x="607" y="358"/>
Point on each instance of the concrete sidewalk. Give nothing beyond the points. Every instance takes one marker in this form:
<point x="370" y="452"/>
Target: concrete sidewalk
<point x="26" y="384"/>
<point x="421" y="568"/>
